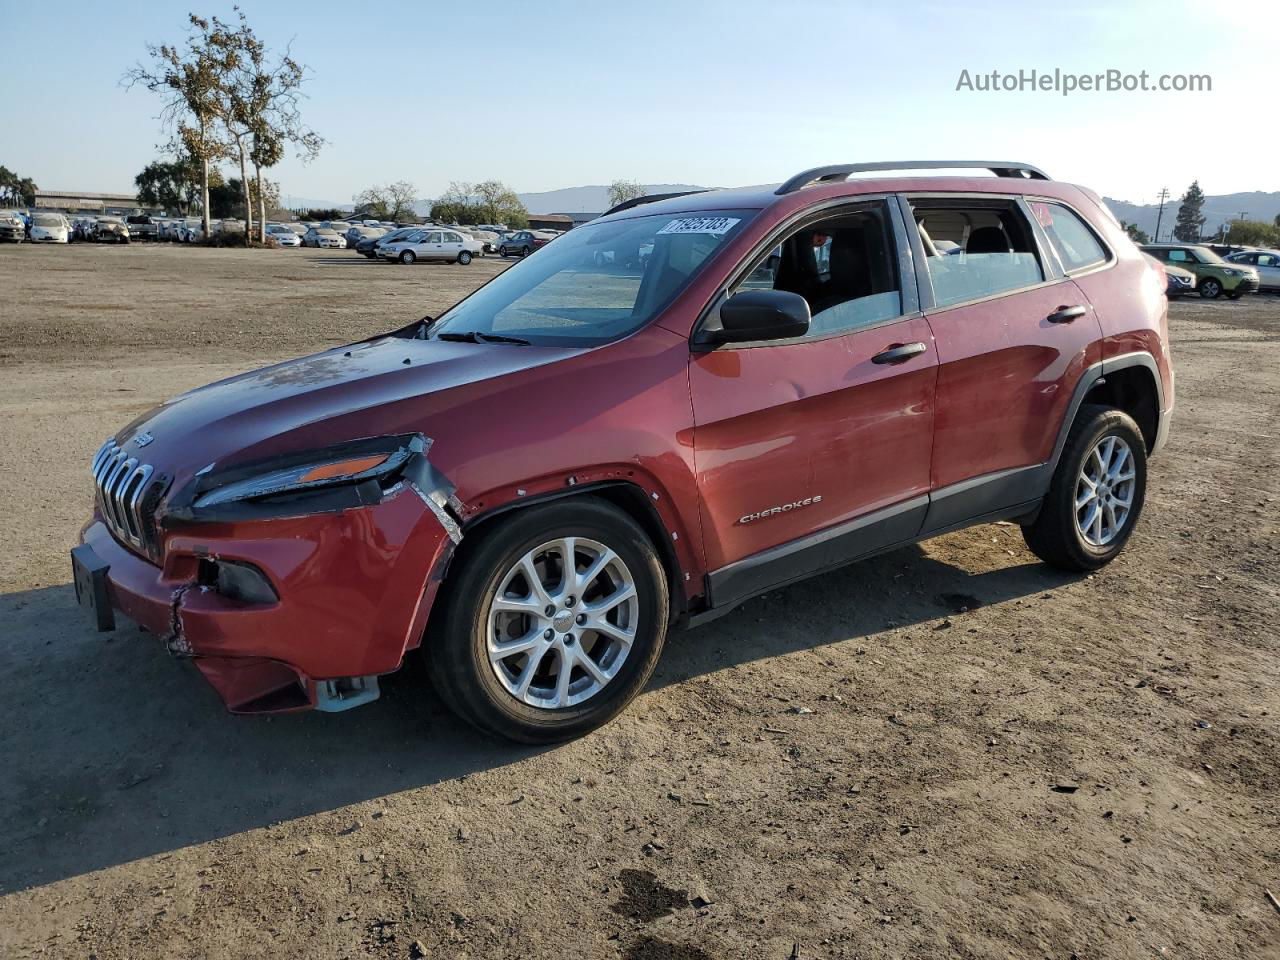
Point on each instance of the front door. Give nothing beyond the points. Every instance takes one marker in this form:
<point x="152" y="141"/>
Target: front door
<point x="813" y="450"/>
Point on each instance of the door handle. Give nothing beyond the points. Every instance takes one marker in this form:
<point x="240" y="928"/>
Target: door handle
<point x="1066" y="314"/>
<point x="899" y="352"/>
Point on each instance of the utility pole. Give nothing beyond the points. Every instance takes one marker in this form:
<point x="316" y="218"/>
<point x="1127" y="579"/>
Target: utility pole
<point x="1164" y="195"/>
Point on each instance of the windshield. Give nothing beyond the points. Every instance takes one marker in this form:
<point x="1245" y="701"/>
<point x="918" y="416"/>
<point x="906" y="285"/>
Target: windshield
<point x="47" y="220"/>
<point x="596" y="283"/>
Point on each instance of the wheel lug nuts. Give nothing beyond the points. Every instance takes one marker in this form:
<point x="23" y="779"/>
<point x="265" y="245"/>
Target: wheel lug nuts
<point x="569" y="601"/>
<point x="550" y="611"/>
<point x="568" y="639"/>
<point x="582" y="618"/>
<point x="548" y="634"/>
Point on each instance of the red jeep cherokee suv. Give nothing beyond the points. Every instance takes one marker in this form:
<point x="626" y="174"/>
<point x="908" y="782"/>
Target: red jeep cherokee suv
<point x="535" y="485"/>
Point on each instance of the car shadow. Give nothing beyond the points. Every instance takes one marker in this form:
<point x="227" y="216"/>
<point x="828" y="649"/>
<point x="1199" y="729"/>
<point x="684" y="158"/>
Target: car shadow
<point x="113" y="751"/>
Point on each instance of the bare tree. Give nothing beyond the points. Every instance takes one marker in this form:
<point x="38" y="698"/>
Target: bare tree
<point x="620" y="191"/>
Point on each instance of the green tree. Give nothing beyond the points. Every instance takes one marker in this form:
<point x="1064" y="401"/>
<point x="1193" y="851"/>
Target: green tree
<point x="620" y="191"/>
<point x="167" y="184"/>
<point x="1252" y="233"/>
<point x="260" y="98"/>
<point x="321" y="213"/>
<point x="498" y="204"/>
<point x="188" y="76"/>
<point x="391" y="202"/>
<point x="1135" y="232"/>
<point x="16" y="191"/>
<point x="1190" y="219"/>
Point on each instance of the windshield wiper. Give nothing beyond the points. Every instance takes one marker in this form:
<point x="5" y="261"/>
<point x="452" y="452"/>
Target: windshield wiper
<point x="474" y="336"/>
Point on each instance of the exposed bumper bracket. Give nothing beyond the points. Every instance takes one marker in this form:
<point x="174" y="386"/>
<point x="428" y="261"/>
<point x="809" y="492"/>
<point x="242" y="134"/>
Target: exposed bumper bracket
<point x="334" y="696"/>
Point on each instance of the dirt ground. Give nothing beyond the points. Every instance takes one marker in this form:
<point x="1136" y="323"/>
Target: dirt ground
<point x="999" y="761"/>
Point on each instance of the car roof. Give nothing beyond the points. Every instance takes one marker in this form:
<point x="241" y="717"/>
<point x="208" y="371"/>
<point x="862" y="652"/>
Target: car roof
<point x="765" y="196"/>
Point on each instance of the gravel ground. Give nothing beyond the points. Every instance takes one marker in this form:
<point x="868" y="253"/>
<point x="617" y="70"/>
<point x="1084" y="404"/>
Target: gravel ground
<point x="947" y="751"/>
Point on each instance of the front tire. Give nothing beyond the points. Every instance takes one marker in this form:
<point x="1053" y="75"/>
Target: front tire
<point x="407" y="257"/>
<point x="536" y="650"/>
<point x="1210" y="289"/>
<point x="1096" y="495"/>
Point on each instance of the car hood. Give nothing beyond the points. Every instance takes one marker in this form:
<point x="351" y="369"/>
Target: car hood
<point x="390" y="385"/>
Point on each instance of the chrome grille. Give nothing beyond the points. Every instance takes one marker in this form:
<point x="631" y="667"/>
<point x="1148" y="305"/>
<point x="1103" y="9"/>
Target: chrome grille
<point x="122" y="485"/>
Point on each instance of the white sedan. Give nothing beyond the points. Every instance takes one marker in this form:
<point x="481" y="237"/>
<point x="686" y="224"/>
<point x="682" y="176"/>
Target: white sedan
<point x="433" y="245"/>
<point x="283" y="236"/>
<point x="322" y="237"/>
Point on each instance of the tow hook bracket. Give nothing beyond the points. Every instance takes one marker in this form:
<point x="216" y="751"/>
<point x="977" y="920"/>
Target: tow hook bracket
<point x="334" y="696"/>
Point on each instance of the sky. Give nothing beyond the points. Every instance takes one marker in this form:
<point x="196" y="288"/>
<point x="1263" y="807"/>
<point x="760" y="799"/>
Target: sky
<point x="560" y="94"/>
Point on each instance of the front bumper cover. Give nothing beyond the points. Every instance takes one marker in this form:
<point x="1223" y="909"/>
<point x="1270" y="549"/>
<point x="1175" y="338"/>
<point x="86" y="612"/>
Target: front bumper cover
<point x="354" y="587"/>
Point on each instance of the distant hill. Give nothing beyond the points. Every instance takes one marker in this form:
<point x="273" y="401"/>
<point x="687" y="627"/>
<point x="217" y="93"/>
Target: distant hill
<point x="1227" y="206"/>
<point x="590" y="199"/>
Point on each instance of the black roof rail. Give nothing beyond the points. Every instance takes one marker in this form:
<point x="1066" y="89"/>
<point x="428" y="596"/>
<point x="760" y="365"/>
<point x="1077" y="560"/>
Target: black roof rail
<point x="841" y="171"/>
<point x="651" y="198"/>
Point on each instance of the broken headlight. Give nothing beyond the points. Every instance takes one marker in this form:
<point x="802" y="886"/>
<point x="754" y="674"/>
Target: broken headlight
<point x="347" y="475"/>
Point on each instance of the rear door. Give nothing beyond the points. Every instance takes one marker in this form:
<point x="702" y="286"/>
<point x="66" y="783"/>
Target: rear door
<point x="813" y="450"/>
<point x="1013" y="333"/>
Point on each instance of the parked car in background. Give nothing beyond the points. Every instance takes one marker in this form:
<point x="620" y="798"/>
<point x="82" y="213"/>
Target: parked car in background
<point x="531" y="488"/>
<point x="1214" y="276"/>
<point x="370" y="246"/>
<point x="111" y="230"/>
<point x="355" y="234"/>
<point x="431" y="244"/>
<point x="324" y="237"/>
<point x="1265" y="262"/>
<point x="49" y="228"/>
<point x="522" y="243"/>
<point x="12" y="227"/>
<point x="1178" y="282"/>
<point x="142" y="227"/>
<point x="488" y="239"/>
<point x="283" y="235"/>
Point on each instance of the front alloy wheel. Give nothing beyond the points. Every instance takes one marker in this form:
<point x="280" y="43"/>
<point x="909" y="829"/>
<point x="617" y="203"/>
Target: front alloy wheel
<point x="552" y="621"/>
<point x="562" y="623"/>
<point x="1210" y="288"/>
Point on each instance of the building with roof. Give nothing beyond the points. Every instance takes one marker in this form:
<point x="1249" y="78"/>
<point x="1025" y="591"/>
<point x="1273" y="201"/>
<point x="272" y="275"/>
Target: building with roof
<point x="79" y="201"/>
<point x="550" y="221"/>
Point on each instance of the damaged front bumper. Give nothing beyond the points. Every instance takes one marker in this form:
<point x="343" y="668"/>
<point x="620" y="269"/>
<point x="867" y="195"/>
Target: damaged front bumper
<point x="285" y="612"/>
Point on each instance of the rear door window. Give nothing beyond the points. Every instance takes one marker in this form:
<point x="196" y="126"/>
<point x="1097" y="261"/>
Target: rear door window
<point x="989" y="249"/>
<point x="1072" y="240"/>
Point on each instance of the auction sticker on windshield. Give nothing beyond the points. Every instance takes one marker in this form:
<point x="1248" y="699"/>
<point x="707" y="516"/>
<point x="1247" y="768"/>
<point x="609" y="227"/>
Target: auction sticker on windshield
<point x="716" y="226"/>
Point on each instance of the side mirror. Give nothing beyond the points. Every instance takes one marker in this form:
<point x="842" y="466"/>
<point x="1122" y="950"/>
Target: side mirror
<point x="757" y="315"/>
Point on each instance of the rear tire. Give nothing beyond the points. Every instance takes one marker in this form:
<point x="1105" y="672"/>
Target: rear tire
<point x="1057" y="536"/>
<point x="477" y="686"/>
<point x="464" y="258"/>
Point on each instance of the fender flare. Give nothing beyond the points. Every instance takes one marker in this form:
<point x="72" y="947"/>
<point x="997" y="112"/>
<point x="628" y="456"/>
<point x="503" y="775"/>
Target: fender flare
<point x="1089" y="379"/>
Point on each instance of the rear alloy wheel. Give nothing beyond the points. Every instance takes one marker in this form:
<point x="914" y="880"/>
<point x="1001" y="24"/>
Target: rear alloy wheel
<point x="525" y="251"/>
<point x="1210" y="288"/>
<point x="464" y="258"/>
<point x="407" y="257"/>
<point x="1096" y="495"/>
<point x="552" y="622"/>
